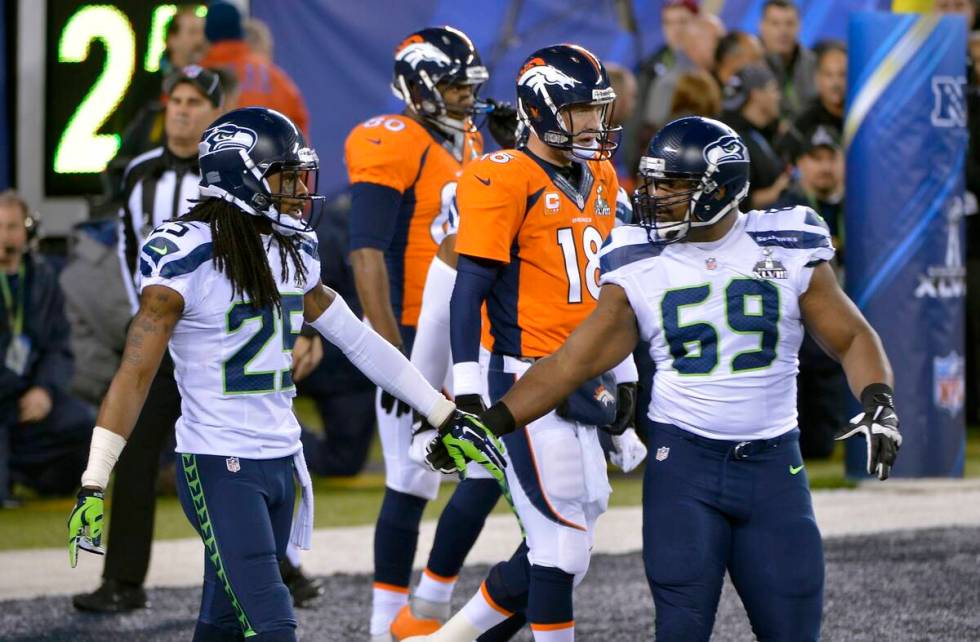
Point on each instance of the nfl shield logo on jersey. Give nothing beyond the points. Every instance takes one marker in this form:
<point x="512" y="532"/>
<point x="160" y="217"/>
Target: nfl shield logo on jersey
<point x="233" y="464"/>
<point x="949" y="389"/>
<point x="662" y="453"/>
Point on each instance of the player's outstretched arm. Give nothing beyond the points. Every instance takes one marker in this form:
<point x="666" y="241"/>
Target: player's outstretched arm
<point x="146" y="341"/>
<point x="328" y="313"/>
<point x="840" y="328"/>
<point x="601" y="342"/>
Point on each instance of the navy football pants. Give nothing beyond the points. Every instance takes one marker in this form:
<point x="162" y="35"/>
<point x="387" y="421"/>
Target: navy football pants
<point x="243" y="510"/>
<point x="711" y="506"/>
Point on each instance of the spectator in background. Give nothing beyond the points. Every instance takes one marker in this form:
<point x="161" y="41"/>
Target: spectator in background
<point x="793" y="64"/>
<point x="831" y="80"/>
<point x="736" y="50"/>
<point x="97" y="307"/>
<point x="43" y="429"/>
<point x="696" y="94"/>
<point x="185" y="40"/>
<point x="820" y="159"/>
<point x="698" y="43"/>
<point x="259" y="38"/>
<point x="751" y="104"/>
<point x="674" y="18"/>
<point x="260" y="82"/>
<point x="823" y="397"/>
<point x="623" y="83"/>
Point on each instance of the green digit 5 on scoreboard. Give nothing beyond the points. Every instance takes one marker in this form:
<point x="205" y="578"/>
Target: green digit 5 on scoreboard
<point x="101" y="67"/>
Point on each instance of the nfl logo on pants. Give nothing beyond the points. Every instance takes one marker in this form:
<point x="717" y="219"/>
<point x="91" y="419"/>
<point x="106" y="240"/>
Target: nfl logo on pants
<point x="233" y="465"/>
<point x="662" y="453"/>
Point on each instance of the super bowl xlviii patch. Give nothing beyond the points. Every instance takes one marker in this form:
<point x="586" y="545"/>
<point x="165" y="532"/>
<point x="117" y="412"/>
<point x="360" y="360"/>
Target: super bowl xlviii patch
<point x="662" y="453"/>
<point x="768" y="267"/>
<point x="233" y="464"/>
<point x="601" y="206"/>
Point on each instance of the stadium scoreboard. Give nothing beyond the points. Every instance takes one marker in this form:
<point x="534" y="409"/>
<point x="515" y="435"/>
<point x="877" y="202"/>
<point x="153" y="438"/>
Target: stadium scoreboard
<point x="102" y="65"/>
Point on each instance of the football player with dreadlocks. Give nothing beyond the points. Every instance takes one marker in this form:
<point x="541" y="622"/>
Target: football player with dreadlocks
<point x="403" y="171"/>
<point x="532" y="220"/>
<point x="721" y="297"/>
<point x="226" y="287"/>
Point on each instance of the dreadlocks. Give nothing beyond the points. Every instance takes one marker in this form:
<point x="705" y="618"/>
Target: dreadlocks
<point x="238" y="253"/>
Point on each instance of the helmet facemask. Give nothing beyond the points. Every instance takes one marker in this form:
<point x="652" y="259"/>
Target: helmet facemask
<point x="425" y="97"/>
<point x="565" y="135"/>
<point x="657" y="212"/>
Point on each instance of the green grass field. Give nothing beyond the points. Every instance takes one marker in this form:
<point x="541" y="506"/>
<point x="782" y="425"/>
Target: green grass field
<point x="40" y="523"/>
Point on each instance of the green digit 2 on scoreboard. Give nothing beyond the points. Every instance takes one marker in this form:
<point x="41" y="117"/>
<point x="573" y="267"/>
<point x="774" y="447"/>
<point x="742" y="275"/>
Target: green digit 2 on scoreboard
<point x="101" y="67"/>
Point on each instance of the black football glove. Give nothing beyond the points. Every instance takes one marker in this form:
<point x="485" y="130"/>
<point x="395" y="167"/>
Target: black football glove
<point x="472" y="404"/>
<point x="391" y="404"/>
<point x="879" y="425"/>
<point x="502" y="123"/>
<point x="625" y="409"/>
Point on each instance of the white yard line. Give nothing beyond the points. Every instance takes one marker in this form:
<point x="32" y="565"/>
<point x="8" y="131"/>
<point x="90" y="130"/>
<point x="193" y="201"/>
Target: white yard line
<point x="875" y="507"/>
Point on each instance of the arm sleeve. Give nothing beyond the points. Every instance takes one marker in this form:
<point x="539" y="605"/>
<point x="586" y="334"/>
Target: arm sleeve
<point x="380" y="361"/>
<point x="473" y="282"/>
<point x="430" y="350"/>
<point x="373" y="215"/>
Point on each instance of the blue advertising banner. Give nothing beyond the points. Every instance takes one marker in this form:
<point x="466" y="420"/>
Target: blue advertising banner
<point x="906" y="136"/>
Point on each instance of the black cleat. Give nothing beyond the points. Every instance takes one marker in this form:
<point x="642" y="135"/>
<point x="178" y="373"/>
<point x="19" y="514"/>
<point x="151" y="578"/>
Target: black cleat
<point x="112" y="597"/>
<point x="303" y="588"/>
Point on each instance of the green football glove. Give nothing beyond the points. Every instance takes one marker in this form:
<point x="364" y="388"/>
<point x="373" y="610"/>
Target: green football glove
<point x="467" y="439"/>
<point x="87" y="514"/>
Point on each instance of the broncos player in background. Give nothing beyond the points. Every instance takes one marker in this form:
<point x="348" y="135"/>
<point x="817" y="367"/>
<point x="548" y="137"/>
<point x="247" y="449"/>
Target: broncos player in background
<point x="403" y="170"/>
<point x="228" y="285"/>
<point x="532" y="221"/>
<point x="721" y="297"/>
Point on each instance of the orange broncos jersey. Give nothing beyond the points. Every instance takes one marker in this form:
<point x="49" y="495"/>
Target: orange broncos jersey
<point x="397" y="152"/>
<point x="519" y="211"/>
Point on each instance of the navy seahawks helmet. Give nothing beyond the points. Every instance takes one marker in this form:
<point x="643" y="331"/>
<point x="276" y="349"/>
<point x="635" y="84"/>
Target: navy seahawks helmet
<point x="706" y="155"/>
<point x="238" y="153"/>
<point x="560" y="76"/>
<point x="432" y="56"/>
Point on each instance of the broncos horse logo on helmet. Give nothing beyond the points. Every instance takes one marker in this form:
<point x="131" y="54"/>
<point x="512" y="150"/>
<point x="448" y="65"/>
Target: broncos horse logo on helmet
<point x="704" y="155"/>
<point x="557" y="77"/>
<point x="240" y="150"/>
<point x="432" y="56"/>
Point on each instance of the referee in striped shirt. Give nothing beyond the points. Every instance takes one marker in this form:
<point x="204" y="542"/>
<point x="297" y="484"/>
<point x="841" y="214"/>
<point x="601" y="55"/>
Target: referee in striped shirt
<point x="159" y="185"/>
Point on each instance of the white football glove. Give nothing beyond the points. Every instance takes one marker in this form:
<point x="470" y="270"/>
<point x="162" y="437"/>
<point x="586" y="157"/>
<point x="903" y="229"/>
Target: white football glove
<point x="628" y="451"/>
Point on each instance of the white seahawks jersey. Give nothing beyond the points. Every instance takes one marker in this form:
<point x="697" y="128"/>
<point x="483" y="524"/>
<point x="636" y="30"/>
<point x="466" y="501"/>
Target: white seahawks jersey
<point x="723" y="319"/>
<point x="232" y="361"/>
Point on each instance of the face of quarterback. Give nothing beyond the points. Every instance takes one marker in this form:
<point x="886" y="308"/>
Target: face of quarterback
<point x="583" y="121"/>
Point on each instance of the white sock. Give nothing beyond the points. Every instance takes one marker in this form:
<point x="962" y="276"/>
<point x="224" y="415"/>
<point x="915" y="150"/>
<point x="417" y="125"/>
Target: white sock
<point x="292" y="554"/>
<point x="482" y="612"/>
<point x="564" y="632"/>
<point x="435" y="588"/>
<point x="386" y="601"/>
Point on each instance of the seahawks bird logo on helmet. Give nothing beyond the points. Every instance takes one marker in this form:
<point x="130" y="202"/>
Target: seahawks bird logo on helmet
<point x="228" y="136"/>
